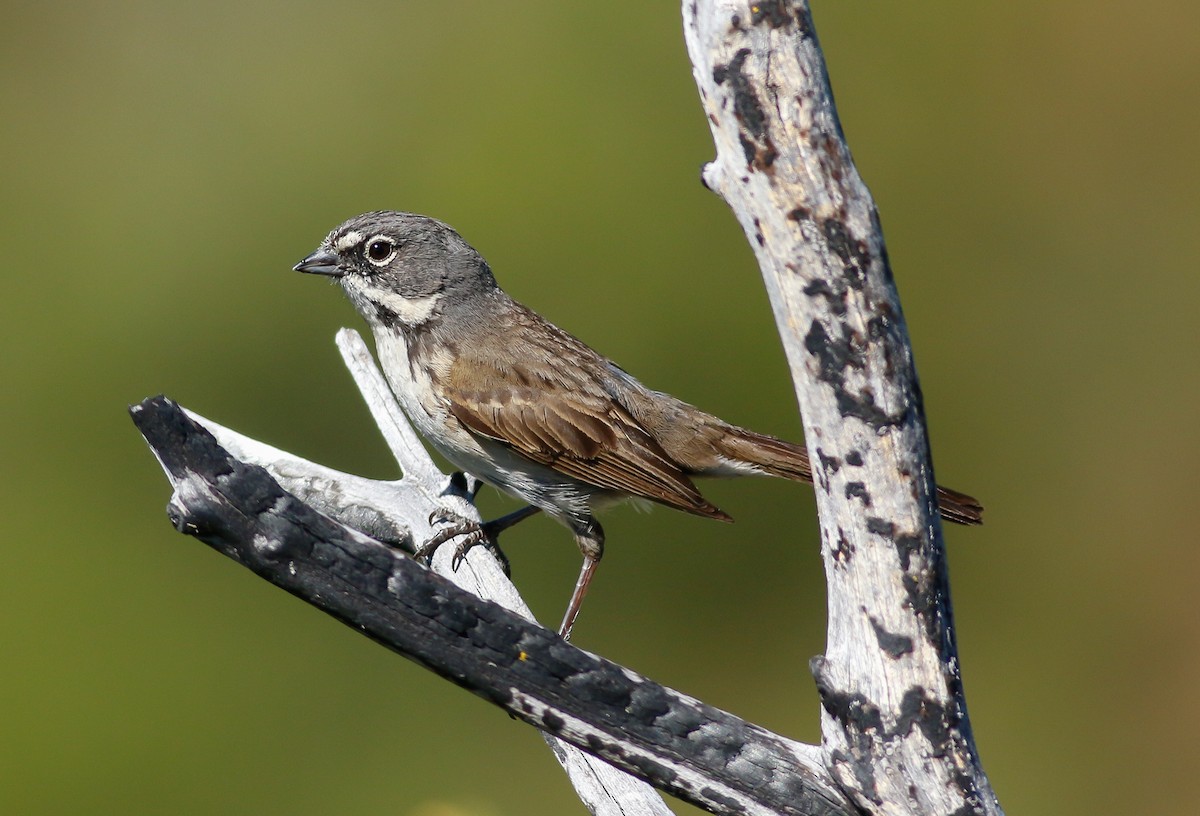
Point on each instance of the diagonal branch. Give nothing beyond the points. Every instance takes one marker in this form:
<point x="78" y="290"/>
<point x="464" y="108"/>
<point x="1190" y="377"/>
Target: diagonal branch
<point x="397" y="513"/>
<point x="699" y="753"/>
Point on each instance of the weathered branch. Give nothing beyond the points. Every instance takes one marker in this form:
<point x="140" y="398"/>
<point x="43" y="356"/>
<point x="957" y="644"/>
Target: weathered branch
<point x="397" y="512"/>
<point x="680" y="745"/>
<point x="895" y="725"/>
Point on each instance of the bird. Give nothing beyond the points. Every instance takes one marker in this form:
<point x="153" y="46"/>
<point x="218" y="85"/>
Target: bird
<point x="508" y="397"/>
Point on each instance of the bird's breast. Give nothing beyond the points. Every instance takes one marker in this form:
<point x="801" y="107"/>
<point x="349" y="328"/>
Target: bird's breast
<point x="415" y="380"/>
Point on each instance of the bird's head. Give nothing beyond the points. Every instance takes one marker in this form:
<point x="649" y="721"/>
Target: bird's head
<point x="400" y="268"/>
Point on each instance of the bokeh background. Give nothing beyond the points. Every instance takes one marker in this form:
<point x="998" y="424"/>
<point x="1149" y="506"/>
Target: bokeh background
<point x="164" y="165"/>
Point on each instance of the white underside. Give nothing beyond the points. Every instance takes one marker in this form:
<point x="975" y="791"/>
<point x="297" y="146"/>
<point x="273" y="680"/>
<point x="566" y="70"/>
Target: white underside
<point x="561" y="497"/>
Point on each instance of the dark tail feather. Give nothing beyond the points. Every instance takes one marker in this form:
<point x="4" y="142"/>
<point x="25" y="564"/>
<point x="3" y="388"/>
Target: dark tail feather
<point x="959" y="507"/>
<point x="790" y="461"/>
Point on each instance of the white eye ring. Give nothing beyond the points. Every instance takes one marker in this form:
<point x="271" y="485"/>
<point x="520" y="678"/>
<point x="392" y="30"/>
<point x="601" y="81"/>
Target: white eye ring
<point x="379" y="250"/>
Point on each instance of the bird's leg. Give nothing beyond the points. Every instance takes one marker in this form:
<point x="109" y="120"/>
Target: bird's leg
<point x="458" y="482"/>
<point x="471" y="533"/>
<point x="590" y="538"/>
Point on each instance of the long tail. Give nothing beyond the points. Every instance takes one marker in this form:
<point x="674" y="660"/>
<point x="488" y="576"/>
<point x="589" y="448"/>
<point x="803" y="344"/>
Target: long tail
<point x="789" y="461"/>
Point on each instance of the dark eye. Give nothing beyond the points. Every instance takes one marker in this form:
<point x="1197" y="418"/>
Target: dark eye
<point x="380" y="250"/>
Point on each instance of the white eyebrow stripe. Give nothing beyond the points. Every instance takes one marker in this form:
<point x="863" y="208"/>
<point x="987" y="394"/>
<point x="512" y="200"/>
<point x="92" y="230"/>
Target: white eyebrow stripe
<point x="351" y="239"/>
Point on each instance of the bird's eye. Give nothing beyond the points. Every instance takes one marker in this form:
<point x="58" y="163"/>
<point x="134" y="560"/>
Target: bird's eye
<point x="380" y="250"/>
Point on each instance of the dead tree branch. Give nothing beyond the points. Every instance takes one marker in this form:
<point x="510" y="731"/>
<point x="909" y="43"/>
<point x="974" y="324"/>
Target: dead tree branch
<point x="699" y="753"/>
<point x="895" y="727"/>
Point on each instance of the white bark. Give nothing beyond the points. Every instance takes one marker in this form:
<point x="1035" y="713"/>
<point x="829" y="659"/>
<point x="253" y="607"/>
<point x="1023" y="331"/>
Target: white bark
<point x="894" y="723"/>
<point x="398" y="512"/>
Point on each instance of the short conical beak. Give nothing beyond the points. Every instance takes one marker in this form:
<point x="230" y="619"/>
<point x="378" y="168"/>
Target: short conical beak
<point x="321" y="262"/>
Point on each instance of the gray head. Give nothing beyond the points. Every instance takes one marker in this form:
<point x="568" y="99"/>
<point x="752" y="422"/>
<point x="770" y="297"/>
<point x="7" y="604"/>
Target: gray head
<point x="400" y="268"/>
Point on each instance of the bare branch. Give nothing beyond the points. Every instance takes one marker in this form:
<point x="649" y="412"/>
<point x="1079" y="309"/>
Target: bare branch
<point x="895" y="722"/>
<point x="694" y="751"/>
<point x="604" y="790"/>
<point x="397" y="513"/>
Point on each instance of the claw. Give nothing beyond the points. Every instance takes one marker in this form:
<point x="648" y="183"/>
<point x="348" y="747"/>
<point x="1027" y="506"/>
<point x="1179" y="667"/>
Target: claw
<point x="464" y="546"/>
<point x="460" y="526"/>
<point x="471" y="533"/>
<point x="444" y="515"/>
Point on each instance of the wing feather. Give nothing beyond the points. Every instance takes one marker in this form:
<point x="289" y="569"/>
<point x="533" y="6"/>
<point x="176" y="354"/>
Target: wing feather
<point x="587" y="436"/>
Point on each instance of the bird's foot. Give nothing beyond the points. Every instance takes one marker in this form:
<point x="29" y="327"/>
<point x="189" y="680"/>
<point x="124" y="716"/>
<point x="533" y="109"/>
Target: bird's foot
<point x="470" y="533"/>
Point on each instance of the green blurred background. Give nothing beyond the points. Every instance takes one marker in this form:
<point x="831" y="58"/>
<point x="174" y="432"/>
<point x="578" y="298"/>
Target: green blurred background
<point x="164" y="166"/>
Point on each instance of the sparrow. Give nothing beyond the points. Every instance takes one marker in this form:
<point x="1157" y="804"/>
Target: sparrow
<point x="522" y="405"/>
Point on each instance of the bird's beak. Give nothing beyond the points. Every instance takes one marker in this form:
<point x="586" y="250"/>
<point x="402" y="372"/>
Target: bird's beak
<point x="321" y="262"/>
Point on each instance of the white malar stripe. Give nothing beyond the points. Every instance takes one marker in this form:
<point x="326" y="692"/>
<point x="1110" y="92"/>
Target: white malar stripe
<point x="411" y="311"/>
<point x="348" y="241"/>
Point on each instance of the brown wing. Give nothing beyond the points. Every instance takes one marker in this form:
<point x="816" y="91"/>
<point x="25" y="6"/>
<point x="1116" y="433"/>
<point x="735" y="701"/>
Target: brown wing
<point x="575" y="431"/>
